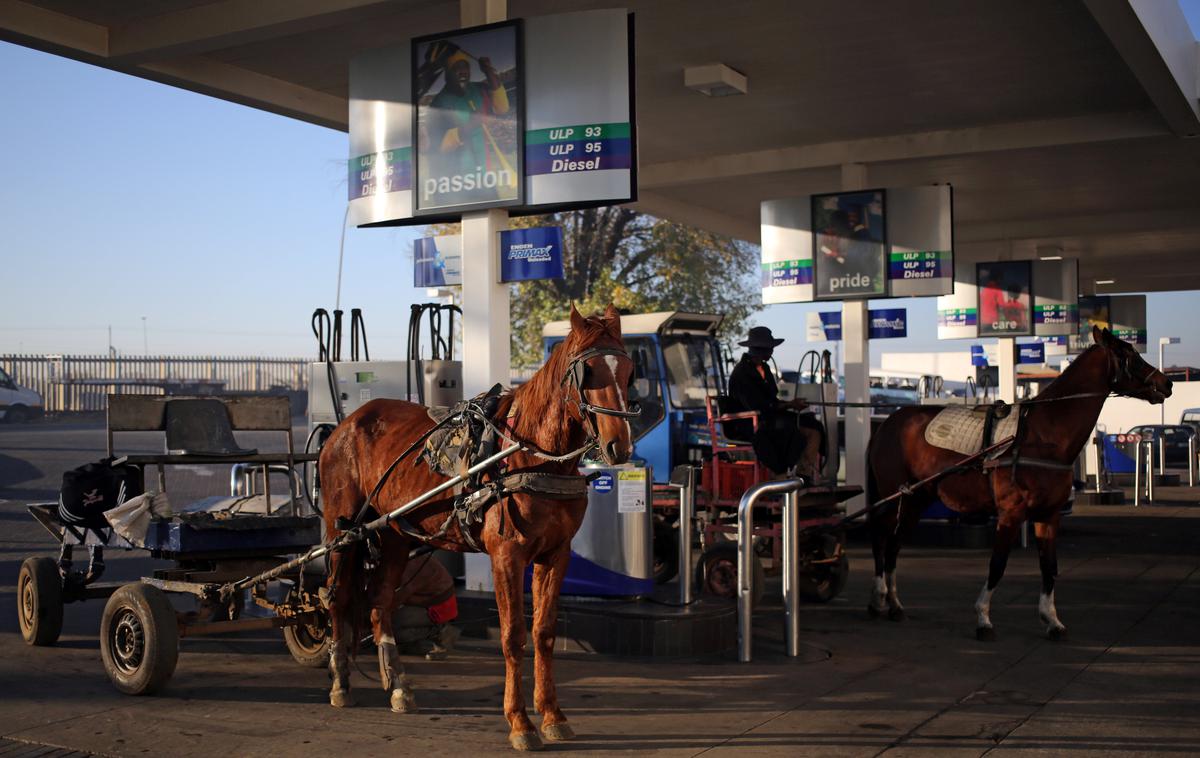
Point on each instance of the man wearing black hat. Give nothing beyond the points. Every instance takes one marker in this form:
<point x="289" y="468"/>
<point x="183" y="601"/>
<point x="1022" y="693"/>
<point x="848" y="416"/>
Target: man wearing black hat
<point x="786" y="440"/>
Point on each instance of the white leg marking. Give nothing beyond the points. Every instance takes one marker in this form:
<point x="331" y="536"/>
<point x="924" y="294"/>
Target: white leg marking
<point x="879" y="594"/>
<point x="983" y="608"/>
<point x="1049" y="614"/>
<point x="893" y="599"/>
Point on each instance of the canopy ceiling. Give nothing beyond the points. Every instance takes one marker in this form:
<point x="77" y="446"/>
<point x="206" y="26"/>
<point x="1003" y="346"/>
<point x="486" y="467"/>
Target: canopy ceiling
<point x="1063" y="125"/>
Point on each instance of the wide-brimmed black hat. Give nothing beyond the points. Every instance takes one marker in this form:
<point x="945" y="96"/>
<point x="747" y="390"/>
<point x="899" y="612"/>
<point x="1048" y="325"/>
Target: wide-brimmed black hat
<point x="760" y="336"/>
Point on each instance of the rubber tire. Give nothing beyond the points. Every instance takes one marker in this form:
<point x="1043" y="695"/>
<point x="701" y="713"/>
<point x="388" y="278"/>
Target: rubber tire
<point x="44" y="624"/>
<point x="153" y="611"/>
<point x="306" y="651"/>
<point x="665" y="554"/>
<point x="825" y="584"/>
<point x="17" y="414"/>
<point x="723" y="556"/>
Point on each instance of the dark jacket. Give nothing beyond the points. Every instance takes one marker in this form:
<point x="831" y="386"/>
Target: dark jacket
<point x="749" y="391"/>
<point x="778" y="443"/>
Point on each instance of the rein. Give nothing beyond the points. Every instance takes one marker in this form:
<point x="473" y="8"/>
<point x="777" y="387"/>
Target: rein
<point x="1030" y="401"/>
<point x="576" y="371"/>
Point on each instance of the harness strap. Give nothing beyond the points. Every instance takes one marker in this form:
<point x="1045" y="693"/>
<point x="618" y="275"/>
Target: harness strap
<point x="996" y="463"/>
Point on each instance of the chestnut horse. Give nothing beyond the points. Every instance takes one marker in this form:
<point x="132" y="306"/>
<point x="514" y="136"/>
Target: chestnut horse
<point x="579" y="397"/>
<point x="1052" y="431"/>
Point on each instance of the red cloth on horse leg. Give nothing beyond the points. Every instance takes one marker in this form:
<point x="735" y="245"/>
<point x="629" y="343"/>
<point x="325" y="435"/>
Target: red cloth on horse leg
<point x="445" y="611"/>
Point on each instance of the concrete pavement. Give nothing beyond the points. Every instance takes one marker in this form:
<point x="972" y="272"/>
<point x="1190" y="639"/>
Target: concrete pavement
<point x="1123" y="683"/>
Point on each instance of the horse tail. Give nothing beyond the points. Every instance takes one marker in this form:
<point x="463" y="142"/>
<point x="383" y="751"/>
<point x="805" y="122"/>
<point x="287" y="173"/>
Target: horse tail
<point x="358" y="606"/>
<point x="343" y="498"/>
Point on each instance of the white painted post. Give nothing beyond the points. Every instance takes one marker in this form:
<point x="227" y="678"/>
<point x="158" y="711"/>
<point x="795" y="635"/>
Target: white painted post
<point x="857" y="364"/>
<point x="486" y="354"/>
<point x="485" y="320"/>
<point x="858" y="390"/>
<point x="1007" y="368"/>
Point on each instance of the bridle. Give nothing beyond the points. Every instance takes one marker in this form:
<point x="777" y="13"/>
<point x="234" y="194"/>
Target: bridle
<point x="1122" y="370"/>
<point x="577" y="373"/>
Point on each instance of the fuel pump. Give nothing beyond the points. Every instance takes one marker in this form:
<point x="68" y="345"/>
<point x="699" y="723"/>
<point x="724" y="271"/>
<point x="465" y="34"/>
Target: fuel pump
<point x="816" y="384"/>
<point x="438" y="378"/>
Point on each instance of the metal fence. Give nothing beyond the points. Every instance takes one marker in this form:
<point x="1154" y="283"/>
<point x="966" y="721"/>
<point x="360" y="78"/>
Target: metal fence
<point x="83" y="382"/>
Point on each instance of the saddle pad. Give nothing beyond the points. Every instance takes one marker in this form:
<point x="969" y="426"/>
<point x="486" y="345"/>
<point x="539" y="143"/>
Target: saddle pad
<point x="960" y="429"/>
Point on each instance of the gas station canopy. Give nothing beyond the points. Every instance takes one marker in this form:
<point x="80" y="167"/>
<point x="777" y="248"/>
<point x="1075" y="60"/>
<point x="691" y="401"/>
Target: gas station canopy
<point x="1063" y="125"/>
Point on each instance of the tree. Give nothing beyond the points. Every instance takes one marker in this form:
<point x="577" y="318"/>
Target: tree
<point x="639" y="263"/>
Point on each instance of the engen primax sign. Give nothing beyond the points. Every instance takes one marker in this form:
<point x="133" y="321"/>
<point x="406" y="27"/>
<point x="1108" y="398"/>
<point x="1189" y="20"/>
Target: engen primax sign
<point x="531" y="115"/>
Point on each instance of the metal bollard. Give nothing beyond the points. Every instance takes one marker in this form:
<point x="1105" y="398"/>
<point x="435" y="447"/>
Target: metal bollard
<point x="1192" y="461"/>
<point x="685" y="482"/>
<point x="1137" y="476"/>
<point x="1162" y="455"/>
<point x="1149" y="472"/>
<point x="745" y="543"/>
<point x="791" y="572"/>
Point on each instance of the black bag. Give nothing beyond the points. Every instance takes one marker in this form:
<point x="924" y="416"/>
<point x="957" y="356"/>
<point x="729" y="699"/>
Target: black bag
<point x="90" y="490"/>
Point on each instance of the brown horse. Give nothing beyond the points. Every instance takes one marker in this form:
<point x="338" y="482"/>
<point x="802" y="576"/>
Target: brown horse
<point x="1052" y="431"/>
<point x="579" y="396"/>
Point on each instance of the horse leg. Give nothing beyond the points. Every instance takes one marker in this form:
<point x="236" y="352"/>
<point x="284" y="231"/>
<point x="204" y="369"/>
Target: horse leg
<point x="382" y="593"/>
<point x="1047" y="539"/>
<point x="881" y="525"/>
<point x="908" y="512"/>
<point x="508" y="574"/>
<point x="341" y="627"/>
<point x="1006" y="531"/>
<point x="548" y="574"/>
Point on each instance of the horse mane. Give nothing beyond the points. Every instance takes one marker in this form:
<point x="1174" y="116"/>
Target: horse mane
<point x="1061" y="383"/>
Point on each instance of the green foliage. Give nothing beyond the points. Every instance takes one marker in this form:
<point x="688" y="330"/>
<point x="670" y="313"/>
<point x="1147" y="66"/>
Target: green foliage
<point x="640" y="264"/>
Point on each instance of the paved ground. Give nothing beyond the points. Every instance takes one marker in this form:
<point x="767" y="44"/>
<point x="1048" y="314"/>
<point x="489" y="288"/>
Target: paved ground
<point x="1124" y="683"/>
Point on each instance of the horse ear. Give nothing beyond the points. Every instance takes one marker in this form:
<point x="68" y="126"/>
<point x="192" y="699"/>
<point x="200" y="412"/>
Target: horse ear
<point x="577" y="320"/>
<point x="1098" y="334"/>
<point x="612" y="320"/>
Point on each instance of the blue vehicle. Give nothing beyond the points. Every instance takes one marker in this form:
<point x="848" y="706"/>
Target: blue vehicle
<point x="678" y="364"/>
<point x="678" y="367"/>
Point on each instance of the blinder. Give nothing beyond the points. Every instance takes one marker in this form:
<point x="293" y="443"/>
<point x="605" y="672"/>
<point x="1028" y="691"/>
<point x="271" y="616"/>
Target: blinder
<point x="577" y="373"/>
<point x="1122" y="369"/>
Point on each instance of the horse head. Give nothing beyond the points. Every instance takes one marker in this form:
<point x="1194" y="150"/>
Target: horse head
<point x="598" y="376"/>
<point x="1129" y="374"/>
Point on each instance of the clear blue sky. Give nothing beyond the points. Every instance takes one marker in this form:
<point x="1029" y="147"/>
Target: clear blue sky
<point x="121" y="198"/>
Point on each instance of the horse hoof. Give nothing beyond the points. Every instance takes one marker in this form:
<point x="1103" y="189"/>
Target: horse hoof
<point x="1056" y="633"/>
<point x="558" y="732"/>
<point x="874" y="612"/>
<point x="403" y="702"/>
<point x="985" y="633"/>
<point x="525" y="741"/>
<point x="896" y="614"/>
<point x="341" y="699"/>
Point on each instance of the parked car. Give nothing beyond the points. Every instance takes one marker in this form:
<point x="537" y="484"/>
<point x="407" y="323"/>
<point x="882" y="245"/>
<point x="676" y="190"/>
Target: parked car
<point x="1175" y="440"/>
<point x="1191" y="417"/>
<point x="18" y="403"/>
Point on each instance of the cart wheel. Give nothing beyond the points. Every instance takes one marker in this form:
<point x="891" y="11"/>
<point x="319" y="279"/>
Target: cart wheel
<point x="716" y="573"/>
<point x="139" y="639"/>
<point x="39" y="601"/>
<point x="666" y="553"/>
<point x="823" y="582"/>
<point x="309" y="643"/>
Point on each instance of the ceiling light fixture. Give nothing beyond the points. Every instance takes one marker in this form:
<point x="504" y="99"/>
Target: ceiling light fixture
<point x="715" y="80"/>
